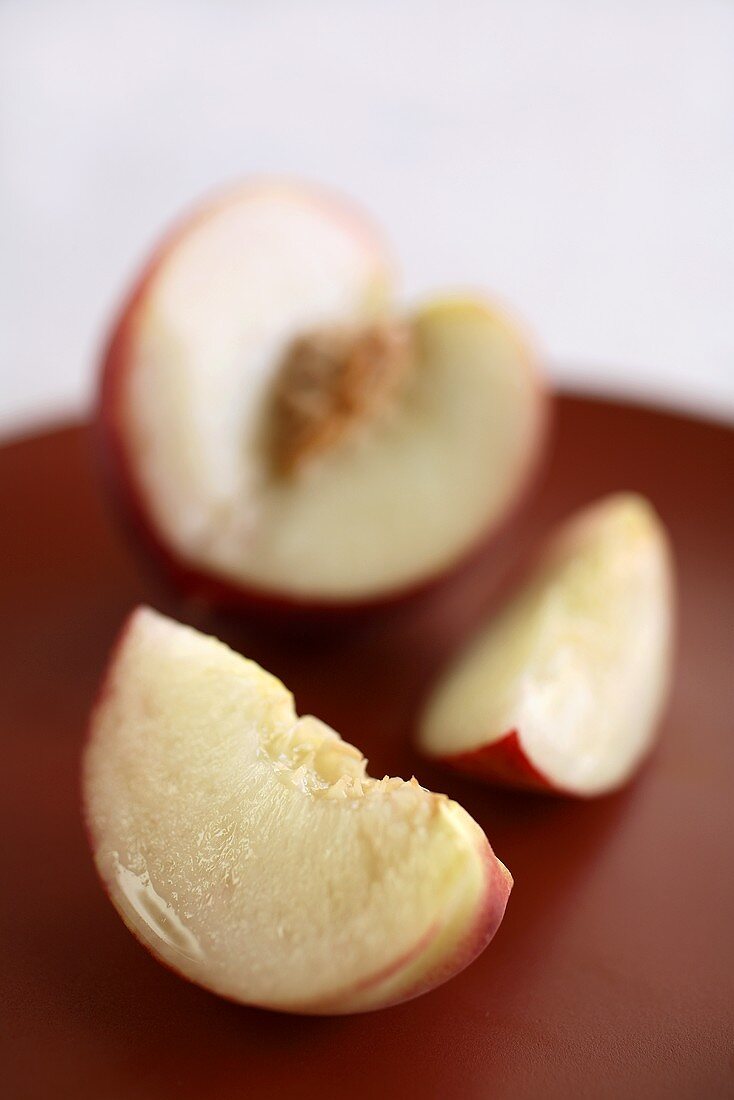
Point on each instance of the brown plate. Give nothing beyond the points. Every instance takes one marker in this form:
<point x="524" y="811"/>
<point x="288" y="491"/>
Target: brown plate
<point x="612" y="974"/>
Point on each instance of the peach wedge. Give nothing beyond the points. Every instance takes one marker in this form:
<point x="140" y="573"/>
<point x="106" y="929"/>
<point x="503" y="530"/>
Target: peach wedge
<point x="248" y="850"/>
<point x="563" y="689"/>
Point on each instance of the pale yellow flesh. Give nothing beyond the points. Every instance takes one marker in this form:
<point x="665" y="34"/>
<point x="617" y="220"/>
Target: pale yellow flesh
<point x="248" y="849"/>
<point x="232" y="289"/>
<point x="578" y="663"/>
<point x="386" y="508"/>
<point x="399" y="503"/>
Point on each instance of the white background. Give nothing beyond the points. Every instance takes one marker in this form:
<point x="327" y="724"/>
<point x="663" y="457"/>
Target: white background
<point x="575" y="156"/>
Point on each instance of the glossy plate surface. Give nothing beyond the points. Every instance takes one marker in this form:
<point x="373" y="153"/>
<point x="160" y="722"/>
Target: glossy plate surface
<point x="613" y="973"/>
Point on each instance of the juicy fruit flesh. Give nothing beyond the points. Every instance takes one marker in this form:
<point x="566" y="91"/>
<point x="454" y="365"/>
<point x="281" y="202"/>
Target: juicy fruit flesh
<point x="313" y="758"/>
<point x="249" y="850"/>
<point x="391" y="488"/>
<point x="195" y="355"/>
<point x="399" y="503"/>
<point x="578" y="664"/>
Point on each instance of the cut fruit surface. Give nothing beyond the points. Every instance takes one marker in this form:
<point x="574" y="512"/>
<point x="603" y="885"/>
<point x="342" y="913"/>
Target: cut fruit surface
<point x="248" y="849"/>
<point x="563" y="689"/>
<point x="279" y="430"/>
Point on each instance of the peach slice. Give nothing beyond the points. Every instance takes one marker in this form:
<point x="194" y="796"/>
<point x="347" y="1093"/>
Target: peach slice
<point x="281" y="434"/>
<point x="563" y="689"/>
<point x="248" y="849"/>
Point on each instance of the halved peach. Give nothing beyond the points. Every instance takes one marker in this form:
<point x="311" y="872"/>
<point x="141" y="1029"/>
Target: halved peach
<point x="282" y="433"/>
